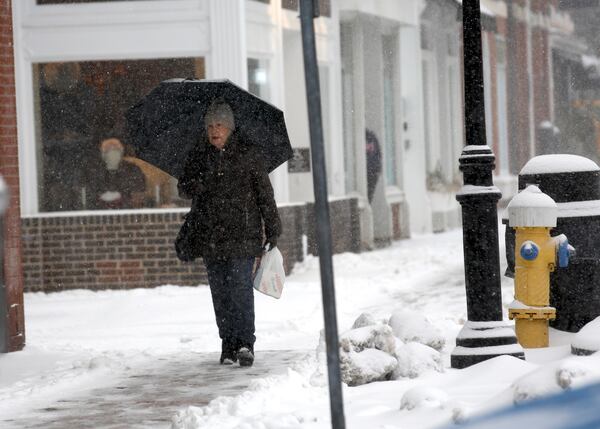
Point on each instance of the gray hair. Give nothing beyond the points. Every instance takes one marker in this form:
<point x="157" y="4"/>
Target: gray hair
<point x="220" y="111"/>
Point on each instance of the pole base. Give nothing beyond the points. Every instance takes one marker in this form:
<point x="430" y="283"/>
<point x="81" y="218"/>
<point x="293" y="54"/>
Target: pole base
<point x="479" y="341"/>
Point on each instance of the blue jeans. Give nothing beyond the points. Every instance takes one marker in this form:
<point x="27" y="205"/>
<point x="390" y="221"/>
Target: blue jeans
<point x="230" y="282"/>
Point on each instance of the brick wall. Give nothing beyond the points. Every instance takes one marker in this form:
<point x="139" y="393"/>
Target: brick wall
<point x="9" y="169"/>
<point x="136" y="250"/>
<point x="345" y="226"/>
<point x="104" y="251"/>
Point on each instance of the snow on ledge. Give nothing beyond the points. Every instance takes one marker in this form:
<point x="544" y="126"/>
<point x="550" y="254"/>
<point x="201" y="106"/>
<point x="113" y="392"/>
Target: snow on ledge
<point x="558" y="163"/>
<point x="572" y="209"/>
<point x="516" y="304"/>
<point x="487" y="324"/>
<point x="491" y="350"/>
<point x="476" y="148"/>
<point x="83" y="213"/>
<point x="579" y="208"/>
<point x="474" y="190"/>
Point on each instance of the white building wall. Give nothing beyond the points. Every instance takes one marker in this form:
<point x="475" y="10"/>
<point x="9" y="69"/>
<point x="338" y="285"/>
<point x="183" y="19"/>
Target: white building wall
<point x="296" y="110"/>
<point x="441" y="29"/>
<point x="410" y="153"/>
<point x="264" y="40"/>
<point x="414" y="161"/>
<point x="228" y="41"/>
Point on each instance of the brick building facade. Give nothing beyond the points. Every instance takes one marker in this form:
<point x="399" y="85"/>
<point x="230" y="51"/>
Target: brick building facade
<point x="9" y="169"/>
<point x="135" y="249"/>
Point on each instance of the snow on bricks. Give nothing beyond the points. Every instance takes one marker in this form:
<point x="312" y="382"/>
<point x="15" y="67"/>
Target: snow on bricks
<point x="373" y="351"/>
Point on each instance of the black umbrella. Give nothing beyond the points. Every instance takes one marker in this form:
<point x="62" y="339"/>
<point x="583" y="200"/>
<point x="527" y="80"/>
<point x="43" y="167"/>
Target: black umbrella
<point x="169" y="121"/>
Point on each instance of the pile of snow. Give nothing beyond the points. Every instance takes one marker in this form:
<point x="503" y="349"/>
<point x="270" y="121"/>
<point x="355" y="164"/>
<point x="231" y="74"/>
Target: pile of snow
<point x="415" y="359"/>
<point x="568" y="373"/>
<point x="423" y="397"/>
<point x="406" y="347"/>
<point x="367" y="353"/>
<point x="587" y="340"/>
<point x="412" y="326"/>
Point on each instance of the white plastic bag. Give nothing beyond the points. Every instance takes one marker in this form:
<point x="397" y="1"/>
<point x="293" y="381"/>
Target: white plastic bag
<point x="270" y="275"/>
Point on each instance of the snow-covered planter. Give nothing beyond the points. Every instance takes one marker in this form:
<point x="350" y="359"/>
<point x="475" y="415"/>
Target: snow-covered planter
<point x="414" y="359"/>
<point x="366" y="366"/>
<point x="411" y="326"/>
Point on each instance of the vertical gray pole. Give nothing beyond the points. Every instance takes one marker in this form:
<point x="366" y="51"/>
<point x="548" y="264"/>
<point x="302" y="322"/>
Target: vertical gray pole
<point x="323" y="227"/>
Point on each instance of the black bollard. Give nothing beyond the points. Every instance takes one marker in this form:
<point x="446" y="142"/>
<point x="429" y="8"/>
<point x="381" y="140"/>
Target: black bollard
<point x="484" y="335"/>
<point x="308" y="10"/>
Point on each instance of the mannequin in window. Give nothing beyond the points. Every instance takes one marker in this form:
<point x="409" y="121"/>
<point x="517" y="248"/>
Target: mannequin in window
<point x="119" y="184"/>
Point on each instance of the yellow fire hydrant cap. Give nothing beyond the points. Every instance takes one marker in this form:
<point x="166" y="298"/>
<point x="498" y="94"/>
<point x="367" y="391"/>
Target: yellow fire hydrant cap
<point x="532" y="208"/>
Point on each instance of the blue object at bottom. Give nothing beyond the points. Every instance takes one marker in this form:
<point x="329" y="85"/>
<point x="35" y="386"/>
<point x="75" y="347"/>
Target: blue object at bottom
<point x="573" y="409"/>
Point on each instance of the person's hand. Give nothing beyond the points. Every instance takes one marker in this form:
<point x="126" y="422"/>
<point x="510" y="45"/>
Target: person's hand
<point x="270" y="243"/>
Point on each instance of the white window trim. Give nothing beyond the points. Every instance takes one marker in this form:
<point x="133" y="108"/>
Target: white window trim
<point x="433" y="153"/>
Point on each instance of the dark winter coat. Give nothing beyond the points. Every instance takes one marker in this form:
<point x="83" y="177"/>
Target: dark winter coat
<point x="231" y="199"/>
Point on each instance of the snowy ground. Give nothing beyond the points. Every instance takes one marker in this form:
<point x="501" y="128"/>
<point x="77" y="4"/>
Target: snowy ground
<point x="83" y="344"/>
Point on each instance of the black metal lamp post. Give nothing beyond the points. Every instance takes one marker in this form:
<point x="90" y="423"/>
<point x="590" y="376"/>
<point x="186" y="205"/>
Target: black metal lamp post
<point x="4" y="323"/>
<point x="308" y="9"/>
<point x="484" y="335"/>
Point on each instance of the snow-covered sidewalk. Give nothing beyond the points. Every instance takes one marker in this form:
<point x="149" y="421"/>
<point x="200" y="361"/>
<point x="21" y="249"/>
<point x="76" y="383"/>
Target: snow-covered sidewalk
<point x="112" y="344"/>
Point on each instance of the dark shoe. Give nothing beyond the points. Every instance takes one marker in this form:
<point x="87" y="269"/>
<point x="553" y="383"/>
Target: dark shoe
<point x="246" y="356"/>
<point x="228" y="358"/>
<point x="228" y="353"/>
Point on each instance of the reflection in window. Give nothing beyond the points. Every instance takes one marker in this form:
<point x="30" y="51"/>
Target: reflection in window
<point x="324" y="6"/>
<point x="84" y="160"/>
<point x="258" y="78"/>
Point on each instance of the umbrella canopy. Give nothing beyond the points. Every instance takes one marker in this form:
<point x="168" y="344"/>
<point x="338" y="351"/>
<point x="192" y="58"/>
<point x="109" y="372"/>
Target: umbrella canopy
<point x="169" y="121"/>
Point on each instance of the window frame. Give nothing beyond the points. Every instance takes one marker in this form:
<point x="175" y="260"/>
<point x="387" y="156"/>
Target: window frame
<point x="122" y="34"/>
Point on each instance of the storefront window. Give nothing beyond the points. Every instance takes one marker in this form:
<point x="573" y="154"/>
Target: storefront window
<point x="258" y="78"/>
<point x="82" y="137"/>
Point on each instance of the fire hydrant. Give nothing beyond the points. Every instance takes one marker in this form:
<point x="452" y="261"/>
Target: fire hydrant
<point x="533" y="214"/>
